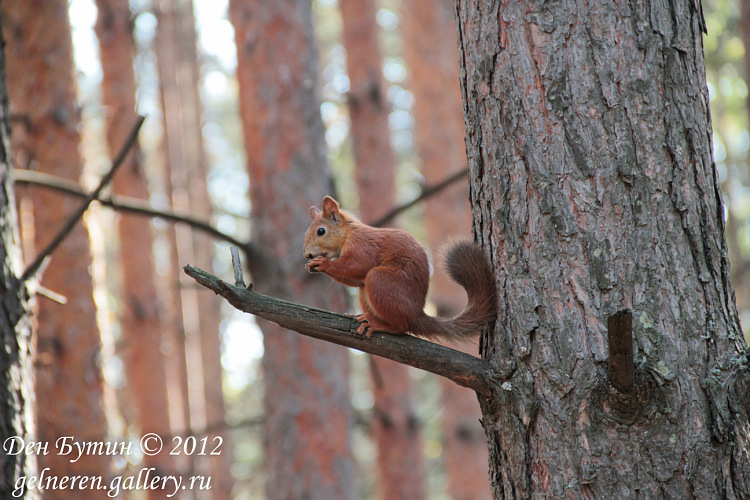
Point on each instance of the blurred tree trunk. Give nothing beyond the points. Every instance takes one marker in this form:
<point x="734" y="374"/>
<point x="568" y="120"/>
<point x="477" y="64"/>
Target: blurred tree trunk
<point x="188" y="165"/>
<point x="42" y="89"/>
<point x="308" y="416"/>
<point x="401" y="471"/>
<point x="429" y="32"/>
<point x="16" y="371"/>
<point x="140" y="314"/>
<point x="594" y="190"/>
<point x="741" y="269"/>
<point x="745" y="34"/>
<point x="182" y="313"/>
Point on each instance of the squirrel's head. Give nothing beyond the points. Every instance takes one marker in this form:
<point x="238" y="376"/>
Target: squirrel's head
<point x="327" y="232"/>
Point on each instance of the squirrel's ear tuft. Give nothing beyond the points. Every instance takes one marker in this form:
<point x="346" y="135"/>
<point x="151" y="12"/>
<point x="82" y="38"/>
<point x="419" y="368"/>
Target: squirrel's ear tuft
<point x="330" y="208"/>
<point x="314" y="211"/>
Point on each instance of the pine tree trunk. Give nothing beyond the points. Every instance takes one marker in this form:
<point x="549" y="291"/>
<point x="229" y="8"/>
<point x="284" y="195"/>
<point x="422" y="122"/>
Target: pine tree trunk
<point x="182" y="303"/>
<point x="429" y="32"/>
<point x="16" y="379"/>
<point x="395" y="424"/>
<point x="189" y="177"/>
<point x="42" y="89"/>
<point x="140" y="315"/>
<point x="308" y="417"/>
<point x="594" y="190"/>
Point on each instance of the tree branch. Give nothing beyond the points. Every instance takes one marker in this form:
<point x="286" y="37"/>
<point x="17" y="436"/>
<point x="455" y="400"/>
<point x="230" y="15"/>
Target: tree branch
<point x="122" y="203"/>
<point x="427" y="191"/>
<point x="73" y="220"/>
<point x="140" y="207"/>
<point x="462" y="368"/>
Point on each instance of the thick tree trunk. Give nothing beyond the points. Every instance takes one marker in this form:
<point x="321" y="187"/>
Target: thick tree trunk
<point x="140" y="314"/>
<point x="42" y="89"/>
<point x="429" y="32"/>
<point x="395" y="425"/>
<point x="308" y="418"/>
<point x="594" y="190"/>
<point x="16" y="380"/>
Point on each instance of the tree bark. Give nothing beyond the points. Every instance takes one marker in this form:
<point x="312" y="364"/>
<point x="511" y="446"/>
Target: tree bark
<point x="16" y="370"/>
<point x="308" y="417"/>
<point x="395" y="424"/>
<point x="594" y="190"/>
<point x="42" y="89"/>
<point x="140" y="314"/>
<point x="429" y="33"/>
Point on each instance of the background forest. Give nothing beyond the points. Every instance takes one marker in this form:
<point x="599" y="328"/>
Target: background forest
<point x="176" y="360"/>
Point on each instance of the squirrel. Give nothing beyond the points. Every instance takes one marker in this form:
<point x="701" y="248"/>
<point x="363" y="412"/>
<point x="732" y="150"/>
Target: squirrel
<point x="390" y="268"/>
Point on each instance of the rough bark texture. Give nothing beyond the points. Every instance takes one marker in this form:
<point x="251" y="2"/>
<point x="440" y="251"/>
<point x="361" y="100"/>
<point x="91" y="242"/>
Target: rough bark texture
<point x="16" y="380"/>
<point x="593" y="187"/>
<point x="395" y="425"/>
<point x="189" y="178"/>
<point x="429" y="32"/>
<point x="42" y="90"/>
<point x="308" y="417"/>
<point x="140" y="312"/>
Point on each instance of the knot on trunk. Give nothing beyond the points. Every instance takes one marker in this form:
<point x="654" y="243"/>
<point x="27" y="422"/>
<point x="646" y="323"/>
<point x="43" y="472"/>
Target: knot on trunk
<point x="635" y="406"/>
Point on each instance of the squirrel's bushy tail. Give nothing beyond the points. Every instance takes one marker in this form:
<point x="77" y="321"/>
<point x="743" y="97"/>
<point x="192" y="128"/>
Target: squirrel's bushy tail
<point x="467" y="266"/>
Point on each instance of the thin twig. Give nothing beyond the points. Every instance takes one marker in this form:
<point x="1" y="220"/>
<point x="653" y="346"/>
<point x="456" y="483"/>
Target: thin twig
<point x="38" y="289"/>
<point x="427" y="192"/>
<point x="140" y="207"/>
<point x="73" y="220"/>
<point x="237" y="267"/>
<point x="122" y="203"/>
<point x="218" y="427"/>
<point x="462" y="368"/>
<point x="257" y="260"/>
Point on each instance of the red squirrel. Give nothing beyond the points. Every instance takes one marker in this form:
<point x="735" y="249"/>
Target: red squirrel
<point x="390" y="268"/>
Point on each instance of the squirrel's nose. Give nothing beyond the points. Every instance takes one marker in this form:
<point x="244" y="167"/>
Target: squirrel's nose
<point x="309" y="256"/>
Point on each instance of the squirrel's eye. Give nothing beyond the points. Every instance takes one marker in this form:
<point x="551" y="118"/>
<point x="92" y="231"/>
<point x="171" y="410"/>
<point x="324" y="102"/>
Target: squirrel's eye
<point x="321" y="231"/>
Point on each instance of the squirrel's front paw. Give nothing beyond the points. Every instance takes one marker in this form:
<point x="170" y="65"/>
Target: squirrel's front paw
<point x="315" y="265"/>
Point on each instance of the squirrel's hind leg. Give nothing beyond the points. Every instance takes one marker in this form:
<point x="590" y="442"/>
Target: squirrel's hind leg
<point x="386" y="305"/>
<point x="370" y="322"/>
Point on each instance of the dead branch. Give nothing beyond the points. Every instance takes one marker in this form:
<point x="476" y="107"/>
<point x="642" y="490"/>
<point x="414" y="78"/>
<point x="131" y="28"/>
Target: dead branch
<point x="140" y="207"/>
<point x="427" y="192"/>
<point x="125" y="204"/>
<point x="462" y="368"/>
